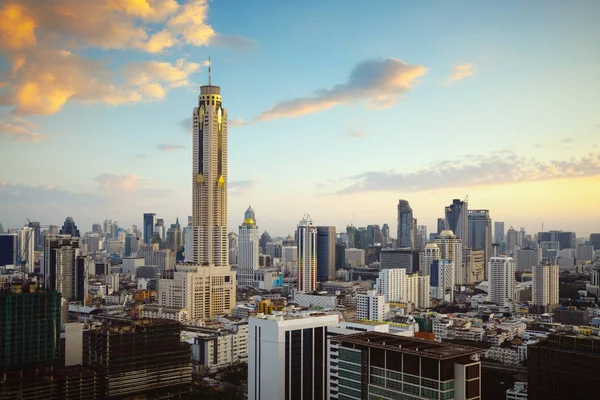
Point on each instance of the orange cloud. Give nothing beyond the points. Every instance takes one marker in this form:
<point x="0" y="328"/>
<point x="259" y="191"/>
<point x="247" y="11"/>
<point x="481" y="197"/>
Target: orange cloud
<point x="461" y="72"/>
<point x="123" y="182"/>
<point x="17" y="27"/>
<point x="20" y="130"/>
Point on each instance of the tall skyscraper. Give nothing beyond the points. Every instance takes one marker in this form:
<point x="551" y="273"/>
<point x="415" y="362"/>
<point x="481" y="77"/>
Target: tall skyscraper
<point x="499" y="232"/>
<point x="480" y="232"/>
<point x="209" y="180"/>
<point x="248" y="249"/>
<point x="545" y="286"/>
<point x="233" y="240"/>
<point x="421" y="237"/>
<point x="26" y="248"/>
<point x="391" y="284"/>
<point x="306" y="237"/>
<point x="451" y="248"/>
<point x="502" y="280"/>
<point x="69" y="228"/>
<point x="39" y="242"/>
<point x="385" y="233"/>
<point x="149" y="222"/>
<point x="62" y="271"/>
<point x="512" y="237"/>
<point x="430" y="253"/>
<point x="325" y="253"/>
<point x="457" y="219"/>
<point x="407" y="231"/>
<point x="8" y="249"/>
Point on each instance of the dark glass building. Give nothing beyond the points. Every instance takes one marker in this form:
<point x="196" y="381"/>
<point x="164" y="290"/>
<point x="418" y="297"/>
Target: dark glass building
<point x="69" y="228"/>
<point x="407" y="229"/>
<point x="325" y="253"/>
<point x="8" y="249"/>
<point x="149" y="222"/>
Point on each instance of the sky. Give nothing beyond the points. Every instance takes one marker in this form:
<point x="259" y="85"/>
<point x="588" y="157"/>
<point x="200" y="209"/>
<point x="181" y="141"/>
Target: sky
<point x="337" y="109"/>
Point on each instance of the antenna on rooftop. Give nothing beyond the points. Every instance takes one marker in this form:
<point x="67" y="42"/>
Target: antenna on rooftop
<point x="208" y="70"/>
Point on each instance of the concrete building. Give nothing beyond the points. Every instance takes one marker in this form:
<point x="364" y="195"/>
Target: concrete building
<point x="512" y="237"/>
<point x="480" y="233"/>
<point x="502" y="284"/>
<point x="306" y="237"/>
<point x="378" y="365"/>
<point x="325" y="253"/>
<point x="248" y="249"/>
<point x="474" y="265"/>
<point x="405" y="258"/>
<point x="430" y="253"/>
<point x="527" y="258"/>
<point x="585" y="253"/>
<point x="417" y="290"/>
<point x="391" y="284"/>
<point x="287" y="356"/>
<point x="457" y="219"/>
<point x="209" y="179"/>
<point x="64" y="268"/>
<point x="215" y="349"/>
<point x="451" y="248"/>
<point x="26" y="244"/>
<point x="322" y="300"/>
<point x="442" y="280"/>
<point x="422" y="237"/>
<point x="371" y="306"/>
<point x="354" y="257"/>
<point x="205" y="291"/>
<point x="499" y="232"/>
<point x="545" y="286"/>
<point x="160" y="312"/>
<point x="267" y="278"/>
<point x="407" y="229"/>
<point x="131" y="264"/>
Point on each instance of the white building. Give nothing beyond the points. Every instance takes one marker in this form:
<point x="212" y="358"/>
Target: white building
<point x="205" y="291"/>
<point x="502" y="279"/>
<point x="545" y="285"/>
<point x="451" y="248"/>
<point x="417" y="290"/>
<point x="391" y="284"/>
<point x="518" y="392"/>
<point x="247" y="249"/>
<point x="307" y="255"/>
<point x="188" y="244"/>
<point x="430" y="253"/>
<point x="371" y="306"/>
<point x="214" y="349"/>
<point x="354" y="257"/>
<point x="267" y="278"/>
<point x="323" y="300"/>
<point x="288" y="352"/>
<point x="159" y="312"/>
<point x="26" y="243"/>
<point x="442" y="280"/>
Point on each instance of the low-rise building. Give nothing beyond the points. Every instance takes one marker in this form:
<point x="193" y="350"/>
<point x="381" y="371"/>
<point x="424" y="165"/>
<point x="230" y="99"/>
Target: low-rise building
<point x="214" y="349"/>
<point x="503" y="355"/>
<point x="314" y="300"/>
<point x="154" y="312"/>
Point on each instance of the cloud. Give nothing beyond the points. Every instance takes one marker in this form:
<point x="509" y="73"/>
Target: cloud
<point x="460" y="72"/>
<point x="16" y="195"/>
<point x="123" y="182"/>
<point x="169" y="147"/>
<point x="357" y="133"/>
<point x="241" y="187"/>
<point x="237" y="122"/>
<point x="567" y="140"/>
<point x="378" y="82"/>
<point x="501" y="167"/>
<point x="51" y="78"/>
<point x="234" y="42"/>
<point x="20" y="130"/>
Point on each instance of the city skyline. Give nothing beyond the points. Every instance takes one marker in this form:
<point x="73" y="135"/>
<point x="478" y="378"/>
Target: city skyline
<point x="450" y="88"/>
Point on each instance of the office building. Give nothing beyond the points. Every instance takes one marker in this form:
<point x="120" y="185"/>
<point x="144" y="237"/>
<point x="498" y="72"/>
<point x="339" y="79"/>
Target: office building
<point x="480" y="232"/>
<point x="174" y="237"/>
<point x="451" y="248"/>
<point x="69" y="228"/>
<point x="499" y="232"/>
<point x="400" y="258"/>
<point x="385" y="233"/>
<point x="430" y="252"/>
<point x="418" y="290"/>
<point x="441" y="280"/>
<point x="141" y="358"/>
<point x="60" y="269"/>
<point x="511" y="240"/>
<point x="441" y="225"/>
<point x="306" y="237"/>
<point x="474" y="265"/>
<point x="502" y="284"/>
<point x="287" y="356"/>
<point x="340" y="256"/>
<point x="457" y="219"/>
<point x="391" y="284"/>
<point x="8" y="249"/>
<point x="373" y="235"/>
<point x="248" y="249"/>
<point x="545" y="286"/>
<point x="210" y="179"/>
<point x="585" y="253"/>
<point x="149" y="222"/>
<point x="377" y="365"/>
<point x="527" y="258"/>
<point x="233" y="242"/>
<point x="160" y="233"/>
<point x="564" y="366"/>
<point x="37" y="231"/>
<point x="26" y="246"/>
<point x="595" y="241"/>
<point x="407" y="230"/>
<point x="371" y="306"/>
<point x="549" y="249"/>
<point x="326" y="253"/>
<point x="205" y="291"/>
<point x="354" y="257"/>
<point x="421" y="237"/>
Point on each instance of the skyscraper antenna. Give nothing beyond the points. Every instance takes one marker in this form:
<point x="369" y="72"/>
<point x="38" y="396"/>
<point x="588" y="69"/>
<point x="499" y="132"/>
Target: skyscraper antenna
<point x="209" y="71"/>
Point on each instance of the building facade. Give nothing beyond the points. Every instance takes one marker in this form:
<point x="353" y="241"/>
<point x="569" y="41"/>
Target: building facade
<point x="306" y="237"/>
<point x="545" y="287"/>
<point x="371" y="306"/>
<point x="480" y="233"/>
<point x="502" y="284"/>
<point x="430" y="253"/>
<point x="392" y="285"/>
<point x="457" y="219"/>
<point x="248" y="249"/>
<point x="325" y="253"/>
<point x="407" y="229"/>
<point x="451" y="248"/>
<point x="442" y="280"/>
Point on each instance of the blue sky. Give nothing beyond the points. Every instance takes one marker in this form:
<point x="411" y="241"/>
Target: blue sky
<point x="501" y="105"/>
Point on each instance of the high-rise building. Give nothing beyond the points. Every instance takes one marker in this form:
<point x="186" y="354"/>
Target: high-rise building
<point x="325" y="253"/>
<point x="306" y="237"/>
<point x="69" y="228"/>
<point x="205" y="291"/>
<point x="421" y="237"/>
<point x="26" y="239"/>
<point x="233" y="241"/>
<point x="502" y="284"/>
<point x="527" y="258"/>
<point x="545" y="286"/>
<point x="378" y="365"/>
<point x="373" y="235"/>
<point x="264" y="239"/>
<point x="451" y="248"/>
<point x="595" y="240"/>
<point x="418" y="290"/>
<point x="407" y="231"/>
<point x="149" y="222"/>
<point x="441" y="225"/>
<point x="457" y="219"/>
<point x="39" y="242"/>
<point x="480" y="232"/>
<point x="287" y="357"/>
<point x="474" y="265"/>
<point x="385" y="233"/>
<point x="248" y="249"/>
<point x="371" y="306"/>
<point x="584" y="253"/>
<point x="499" y="232"/>
<point x="400" y="258"/>
<point x="442" y="280"/>
<point x="175" y="237"/>
<point x="8" y="249"/>
<point x="61" y="273"/>
<point x="564" y="366"/>
<point x="351" y="233"/>
<point x="160" y="232"/>
<point x="430" y="252"/>
<point x="391" y="284"/>
<point x="209" y="183"/>
<point x="512" y="237"/>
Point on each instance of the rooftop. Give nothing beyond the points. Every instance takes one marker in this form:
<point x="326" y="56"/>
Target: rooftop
<point x="401" y="344"/>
